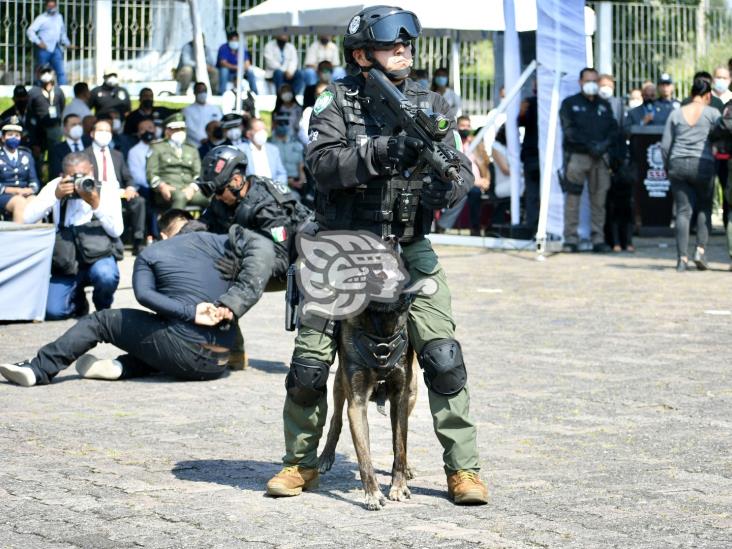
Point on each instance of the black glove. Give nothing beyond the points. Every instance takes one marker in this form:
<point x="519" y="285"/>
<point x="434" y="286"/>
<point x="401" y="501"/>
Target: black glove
<point x="228" y="266"/>
<point x="436" y="193"/>
<point x="404" y="151"/>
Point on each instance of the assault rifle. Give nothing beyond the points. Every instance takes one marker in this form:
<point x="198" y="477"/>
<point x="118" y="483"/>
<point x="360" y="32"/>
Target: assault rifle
<point x="389" y="105"/>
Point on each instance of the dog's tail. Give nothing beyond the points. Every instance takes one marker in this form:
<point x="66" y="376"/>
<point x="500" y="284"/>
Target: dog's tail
<point x="379" y="397"/>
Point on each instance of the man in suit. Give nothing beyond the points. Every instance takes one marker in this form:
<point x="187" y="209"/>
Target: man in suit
<point x="74" y="141"/>
<point x="110" y="166"/>
<point x="263" y="159"/>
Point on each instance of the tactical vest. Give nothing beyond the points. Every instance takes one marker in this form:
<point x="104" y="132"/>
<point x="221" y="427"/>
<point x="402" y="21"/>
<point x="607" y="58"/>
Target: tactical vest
<point x="387" y="206"/>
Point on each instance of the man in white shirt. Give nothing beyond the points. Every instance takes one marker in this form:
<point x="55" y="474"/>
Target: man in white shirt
<point x="99" y="208"/>
<point x="48" y="34"/>
<point x="263" y="159"/>
<point x="323" y="49"/>
<point x="281" y="64"/>
<point x="199" y="114"/>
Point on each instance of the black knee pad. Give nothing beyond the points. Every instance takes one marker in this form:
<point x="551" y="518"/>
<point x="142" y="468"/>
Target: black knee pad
<point x="306" y="381"/>
<point x="444" y="369"/>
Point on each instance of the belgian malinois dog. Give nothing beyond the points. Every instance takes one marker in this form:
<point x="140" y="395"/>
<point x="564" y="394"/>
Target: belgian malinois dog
<point x="374" y="363"/>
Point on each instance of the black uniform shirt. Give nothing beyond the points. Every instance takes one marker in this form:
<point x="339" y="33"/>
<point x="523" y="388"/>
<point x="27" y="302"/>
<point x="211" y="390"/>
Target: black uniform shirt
<point x="586" y="123"/>
<point x="105" y="99"/>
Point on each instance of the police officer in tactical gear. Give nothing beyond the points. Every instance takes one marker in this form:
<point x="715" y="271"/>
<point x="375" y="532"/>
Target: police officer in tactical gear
<point x="358" y="163"/>
<point x="256" y="203"/>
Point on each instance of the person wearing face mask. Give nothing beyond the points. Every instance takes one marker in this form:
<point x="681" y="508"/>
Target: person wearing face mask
<point x="45" y="105"/>
<point x="606" y="90"/>
<point x="635" y="99"/>
<point x="227" y="62"/>
<point x="720" y="86"/>
<point x="173" y="168"/>
<point x="281" y="64"/>
<point x="147" y="109"/>
<point x="590" y="133"/>
<point x="440" y="85"/>
<point x="74" y="141"/>
<point x="97" y="211"/>
<point x="110" y="167"/>
<point x="325" y="76"/>
<point x="48" y="34"/>
<point x="360" y="167"/>
<point x="292" y="152"/>
<point x="110" y="96"/>
<point x="198" y="114"/>
<point x="322" y="49"/>
<point x="286" y="105"/>
<point x="231" y="124"/>
<point x="18" y="109"/>
<point x="263" y="159"/>
<point x="645" y="113"/>
<point x="137" y="162"/>
<point x="18" y="180"/>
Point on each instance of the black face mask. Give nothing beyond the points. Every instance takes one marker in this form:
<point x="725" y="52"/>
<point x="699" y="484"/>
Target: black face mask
<point x="324" y="41"/>
<point x="21" y="104"/>
<point x="281" y="43"/>
<point x="218" y="133"/>
<point x="147" y="137"/>
<point x="464" y="134"/>
<point x="146" y="104"/>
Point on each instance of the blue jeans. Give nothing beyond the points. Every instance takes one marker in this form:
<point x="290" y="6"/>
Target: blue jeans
<point x="66" y="296"/>
<point x="297" y="82"/>
<point x="54" y="58"/>
<point x="226" y="75"/>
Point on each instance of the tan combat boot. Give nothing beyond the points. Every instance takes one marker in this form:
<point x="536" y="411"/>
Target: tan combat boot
<point x="238" y="361"/>
<point x="292" y="480"/>
<point x="465" y="487"/>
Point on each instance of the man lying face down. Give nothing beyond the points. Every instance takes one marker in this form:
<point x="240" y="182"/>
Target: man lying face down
<point x="191" y="330"/>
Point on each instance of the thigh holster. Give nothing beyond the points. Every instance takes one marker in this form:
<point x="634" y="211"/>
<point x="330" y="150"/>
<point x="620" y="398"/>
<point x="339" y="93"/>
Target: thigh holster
<point x="306" y="381"/>
<point x="444" y="369"/>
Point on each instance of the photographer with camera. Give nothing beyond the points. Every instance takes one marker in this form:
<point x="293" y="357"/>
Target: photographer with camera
<point x="88" y="217"/>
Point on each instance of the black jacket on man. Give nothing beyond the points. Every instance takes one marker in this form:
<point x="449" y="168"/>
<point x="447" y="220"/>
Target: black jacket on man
<point x="349" y="158"/>
<point x="262" y="212"/>
<point x="59" y="151"/>
<point x="589" y="127"/>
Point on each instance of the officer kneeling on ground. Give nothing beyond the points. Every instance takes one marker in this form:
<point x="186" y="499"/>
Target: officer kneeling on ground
<point x="256" y="203"/>
<point x="358" y="164"/>
<point x="190" y="333"/>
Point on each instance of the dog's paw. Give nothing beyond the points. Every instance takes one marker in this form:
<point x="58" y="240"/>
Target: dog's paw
<point x="375" y="501"/>
<point x="399" y="493"/>
<point x="409" y="473"/>
<point x="325" y="462"/>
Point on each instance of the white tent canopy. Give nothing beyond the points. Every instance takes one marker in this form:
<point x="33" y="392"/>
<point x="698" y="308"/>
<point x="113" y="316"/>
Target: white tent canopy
<point x="465" y="19"/>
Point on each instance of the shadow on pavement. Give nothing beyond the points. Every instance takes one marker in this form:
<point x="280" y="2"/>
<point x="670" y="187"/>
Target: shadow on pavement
<point x="269" y="366"/>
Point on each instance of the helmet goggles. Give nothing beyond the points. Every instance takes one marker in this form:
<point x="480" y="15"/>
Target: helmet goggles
<point x="391" y="28"/>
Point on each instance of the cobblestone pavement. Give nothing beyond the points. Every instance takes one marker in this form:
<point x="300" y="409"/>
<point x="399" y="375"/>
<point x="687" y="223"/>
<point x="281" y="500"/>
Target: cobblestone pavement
<point x="600" y="385"/>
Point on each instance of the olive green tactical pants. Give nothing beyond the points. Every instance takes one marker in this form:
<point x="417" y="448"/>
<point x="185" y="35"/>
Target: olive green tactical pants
<point x="430" y="317"/>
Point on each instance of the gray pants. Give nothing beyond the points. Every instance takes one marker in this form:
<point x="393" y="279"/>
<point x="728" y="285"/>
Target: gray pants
<point x="581" y="168"/>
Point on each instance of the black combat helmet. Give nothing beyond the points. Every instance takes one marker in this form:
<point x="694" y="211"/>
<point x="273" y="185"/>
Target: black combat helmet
<point x="379" y="26"/>
<point x="218" y="166"/>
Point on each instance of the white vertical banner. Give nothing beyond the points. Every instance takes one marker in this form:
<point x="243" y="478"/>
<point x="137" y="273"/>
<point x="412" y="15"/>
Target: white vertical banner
<point x="512" y="73"/>
<point x="560" y="52"/>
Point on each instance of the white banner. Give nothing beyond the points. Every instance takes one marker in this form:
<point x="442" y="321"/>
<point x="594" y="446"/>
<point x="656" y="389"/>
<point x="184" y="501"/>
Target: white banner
<point x="560" y="47"/>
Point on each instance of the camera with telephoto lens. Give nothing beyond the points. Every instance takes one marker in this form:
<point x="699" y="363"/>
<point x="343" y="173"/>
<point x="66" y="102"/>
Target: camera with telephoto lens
<point x="84" y="183"/>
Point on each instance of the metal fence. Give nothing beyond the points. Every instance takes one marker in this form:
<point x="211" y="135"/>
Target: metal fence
<point x="137" y="25"/>
<point x="650" y="38"/>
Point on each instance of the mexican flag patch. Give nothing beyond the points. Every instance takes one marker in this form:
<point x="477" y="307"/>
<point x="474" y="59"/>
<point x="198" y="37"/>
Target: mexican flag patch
<point x="279" y="234"/>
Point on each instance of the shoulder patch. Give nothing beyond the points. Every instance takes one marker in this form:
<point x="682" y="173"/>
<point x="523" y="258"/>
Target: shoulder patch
<point x="324" y="99"/>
